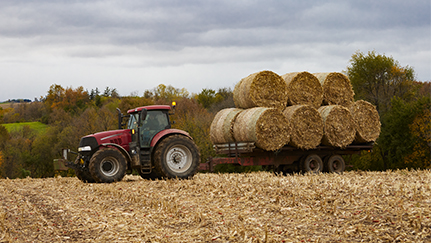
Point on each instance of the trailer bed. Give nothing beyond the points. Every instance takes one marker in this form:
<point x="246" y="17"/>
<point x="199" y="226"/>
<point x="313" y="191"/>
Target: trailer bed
<point x="246" y="154"/>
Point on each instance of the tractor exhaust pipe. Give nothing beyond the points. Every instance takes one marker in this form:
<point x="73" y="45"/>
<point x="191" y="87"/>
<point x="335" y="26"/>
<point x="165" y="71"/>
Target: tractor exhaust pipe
<point x="120" y="118"/>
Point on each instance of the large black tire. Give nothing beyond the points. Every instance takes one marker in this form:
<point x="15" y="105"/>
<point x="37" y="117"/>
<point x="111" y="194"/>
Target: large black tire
<point x="84" y="175"/>
<point x="311" y="163"/>
<point x="108" y="165"/>
<point x="334" y="164"/>
<point x="176" y="156"/>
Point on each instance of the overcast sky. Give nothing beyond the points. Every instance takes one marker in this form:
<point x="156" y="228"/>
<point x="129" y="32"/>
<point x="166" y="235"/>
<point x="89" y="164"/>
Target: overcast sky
<point x="135" y="45"/>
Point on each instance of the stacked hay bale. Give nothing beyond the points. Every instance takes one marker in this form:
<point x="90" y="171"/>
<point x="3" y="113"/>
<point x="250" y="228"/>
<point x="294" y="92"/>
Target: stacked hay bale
<point x="337" y="89"/>
<point x="367" y="121"/>
<point x="299" y="109"/>
<point x="306" y="126"/>
<point x="303" y="88"/>
<point x="221" y="129"/>
<point x="338" y="126"/>
<point x="261" y="89"/>
<point x="267" y="127"/>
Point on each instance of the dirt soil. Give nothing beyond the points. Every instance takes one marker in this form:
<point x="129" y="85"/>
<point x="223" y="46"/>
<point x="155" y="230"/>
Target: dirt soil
<point x="250" y="207"/>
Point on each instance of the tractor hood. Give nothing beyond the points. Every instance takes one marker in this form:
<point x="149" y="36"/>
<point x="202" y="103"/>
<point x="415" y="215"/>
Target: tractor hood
<point x="91" y="142"/>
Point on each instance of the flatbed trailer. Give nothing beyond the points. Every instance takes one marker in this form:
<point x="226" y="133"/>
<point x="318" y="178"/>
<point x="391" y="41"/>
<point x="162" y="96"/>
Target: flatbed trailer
<point x="288" y="158"/>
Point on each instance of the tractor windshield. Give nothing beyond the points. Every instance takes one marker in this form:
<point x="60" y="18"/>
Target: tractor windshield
<point x="133" y="121"/>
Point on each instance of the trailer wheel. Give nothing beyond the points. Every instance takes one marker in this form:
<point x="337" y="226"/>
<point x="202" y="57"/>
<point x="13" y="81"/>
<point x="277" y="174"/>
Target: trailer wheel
<point x="176" y="157"/>
<point x="84" y="175"/>
<point x="335" y="164"/>
<point x="311" y="163"/>
<point x="108" y="165"/>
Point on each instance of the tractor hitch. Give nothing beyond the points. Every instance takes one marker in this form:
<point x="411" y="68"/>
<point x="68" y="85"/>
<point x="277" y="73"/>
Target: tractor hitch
<point x="64" y="164"/>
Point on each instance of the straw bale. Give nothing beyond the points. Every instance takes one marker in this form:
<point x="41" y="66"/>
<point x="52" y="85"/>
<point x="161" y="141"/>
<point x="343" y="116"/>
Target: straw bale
<point x="267" y="127"/>
<point x="338" y="126"/>
<point x="221" y="129"/>
<point x="303" y="88"/>
<point x="306" y="124"/>
<point x="389" y="206"/>
<point x="367" y="121"/>
<point x="265" y="89"/>
<point x="337" y="89"/>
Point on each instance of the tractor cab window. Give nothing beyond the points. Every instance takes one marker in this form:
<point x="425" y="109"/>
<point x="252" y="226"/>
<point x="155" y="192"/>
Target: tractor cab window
<point x="155" y="122"/>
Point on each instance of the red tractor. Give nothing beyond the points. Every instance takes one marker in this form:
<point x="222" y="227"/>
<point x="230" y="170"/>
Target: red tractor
<point x="148" y="145"/>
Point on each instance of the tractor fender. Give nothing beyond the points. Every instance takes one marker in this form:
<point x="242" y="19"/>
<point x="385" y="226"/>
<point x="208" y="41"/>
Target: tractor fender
<point x="122" y="150"/>
<point x="167" y="132"/>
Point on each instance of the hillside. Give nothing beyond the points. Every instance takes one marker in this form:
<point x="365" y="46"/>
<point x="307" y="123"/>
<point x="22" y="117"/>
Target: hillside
<point x="252" y="207"/>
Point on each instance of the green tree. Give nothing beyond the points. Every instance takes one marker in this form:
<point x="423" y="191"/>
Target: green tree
<point x="377" y="78"/>
<point x="206" y="97"/>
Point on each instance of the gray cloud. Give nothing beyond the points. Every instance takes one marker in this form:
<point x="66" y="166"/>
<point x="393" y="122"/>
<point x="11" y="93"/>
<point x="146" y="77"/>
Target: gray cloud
<point x="92" y="38"/>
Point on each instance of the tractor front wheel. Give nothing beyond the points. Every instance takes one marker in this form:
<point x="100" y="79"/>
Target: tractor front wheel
<point x="108" y="165"/>
<point x="84" y="175"/>
<point x="176" y="157"/>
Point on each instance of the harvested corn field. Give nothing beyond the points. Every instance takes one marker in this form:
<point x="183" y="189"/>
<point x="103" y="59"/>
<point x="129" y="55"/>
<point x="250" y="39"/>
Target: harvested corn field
<point x="253" y="207"/>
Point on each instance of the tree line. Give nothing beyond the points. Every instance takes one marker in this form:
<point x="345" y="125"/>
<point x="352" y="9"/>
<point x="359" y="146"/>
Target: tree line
<point x="70" y="113"/>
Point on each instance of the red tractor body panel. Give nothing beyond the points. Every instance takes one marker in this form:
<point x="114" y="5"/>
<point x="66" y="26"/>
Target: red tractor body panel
<point x="149" y="107"/>
<point x="165" y="132"/>
<point x="120" y="137"/>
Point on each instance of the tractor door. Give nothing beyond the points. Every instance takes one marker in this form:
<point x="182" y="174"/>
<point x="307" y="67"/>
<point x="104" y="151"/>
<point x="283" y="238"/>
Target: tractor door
<point x="155" y="121"/>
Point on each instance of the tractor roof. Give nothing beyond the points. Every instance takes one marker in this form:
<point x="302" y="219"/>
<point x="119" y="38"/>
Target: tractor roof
<point x="149" y="107"/>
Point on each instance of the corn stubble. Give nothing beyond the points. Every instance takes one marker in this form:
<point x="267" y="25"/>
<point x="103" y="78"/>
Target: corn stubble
<point x="252" y="207"/>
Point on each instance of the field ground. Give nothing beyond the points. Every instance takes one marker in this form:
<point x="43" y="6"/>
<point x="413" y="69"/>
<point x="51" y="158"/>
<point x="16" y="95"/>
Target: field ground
<point x="37" y="126"/>
<point x="5" y="105"/>
<point x="393" y="206"/>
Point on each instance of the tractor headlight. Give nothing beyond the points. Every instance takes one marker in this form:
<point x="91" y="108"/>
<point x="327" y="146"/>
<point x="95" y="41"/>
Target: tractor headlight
<point x="84" y="149"/>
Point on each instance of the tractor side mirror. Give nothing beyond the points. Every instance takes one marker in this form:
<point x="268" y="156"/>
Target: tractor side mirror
<point x="143" y="114"/>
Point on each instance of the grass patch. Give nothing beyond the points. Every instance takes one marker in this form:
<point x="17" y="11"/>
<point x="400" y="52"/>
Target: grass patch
<point x="39" y="127"/>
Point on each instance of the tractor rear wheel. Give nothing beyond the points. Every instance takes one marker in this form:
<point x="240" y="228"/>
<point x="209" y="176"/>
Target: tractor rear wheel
<point x="108" y="165"/>
<point x="177" y="156"/>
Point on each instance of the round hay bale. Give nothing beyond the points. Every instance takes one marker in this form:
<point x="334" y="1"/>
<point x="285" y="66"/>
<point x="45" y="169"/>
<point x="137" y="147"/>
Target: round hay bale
<point x="303" y="88"/>
<point x="221" y="129"/>
<point x="338" y="126"/>
<point x="367" y="121"/>
<point x="306" y="124"/>
<point x="261" y="89"/>
<point x="267" y="127"/>
<point x="337" y="89"/>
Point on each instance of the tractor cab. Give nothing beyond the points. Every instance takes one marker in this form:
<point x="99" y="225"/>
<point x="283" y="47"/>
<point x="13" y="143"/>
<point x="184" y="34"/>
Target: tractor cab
<point x="146" y="122"/>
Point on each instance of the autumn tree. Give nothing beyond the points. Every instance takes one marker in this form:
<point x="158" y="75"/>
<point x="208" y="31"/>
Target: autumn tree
<point x="190" y="116"/>
<point x="69" y="99"/>
<point x="163" y="94"/>
<point x="403" y="139"/>
<point x="378" y="78"/>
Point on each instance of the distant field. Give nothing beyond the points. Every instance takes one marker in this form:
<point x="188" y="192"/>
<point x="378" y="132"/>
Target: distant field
<point x="38" y="126"/>
<point x="5" y="105"/>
